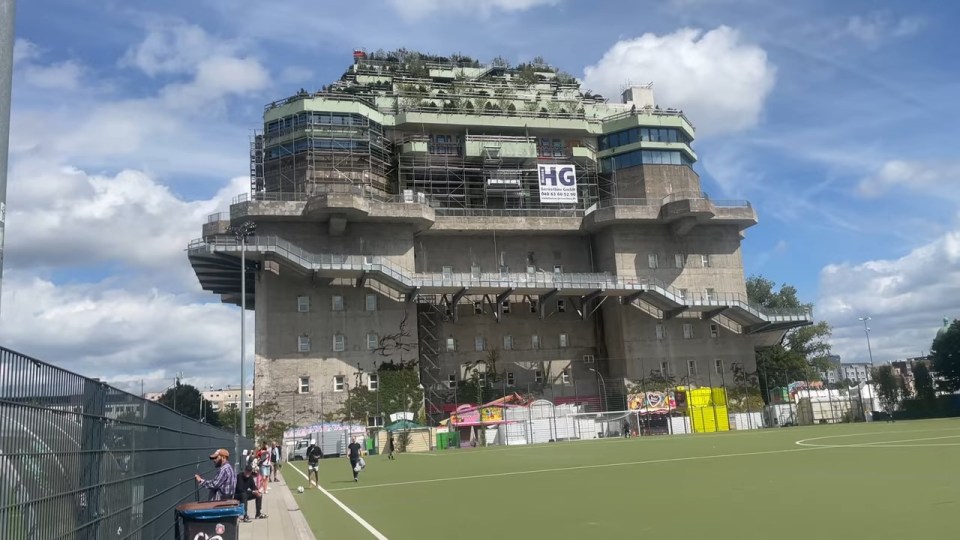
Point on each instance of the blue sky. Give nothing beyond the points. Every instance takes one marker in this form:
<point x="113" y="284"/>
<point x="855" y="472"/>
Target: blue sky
<point x="131" y="123"/>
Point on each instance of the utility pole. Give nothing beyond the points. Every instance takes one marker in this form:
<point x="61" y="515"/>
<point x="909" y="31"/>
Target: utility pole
<point x="7" y="15"/>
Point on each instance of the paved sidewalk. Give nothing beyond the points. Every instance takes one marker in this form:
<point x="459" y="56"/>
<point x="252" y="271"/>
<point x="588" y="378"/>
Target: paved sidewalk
<point x="284" y="520"/>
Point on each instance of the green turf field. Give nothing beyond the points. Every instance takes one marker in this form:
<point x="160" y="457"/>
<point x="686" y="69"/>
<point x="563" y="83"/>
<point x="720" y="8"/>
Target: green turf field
<point x="874" y="481"/>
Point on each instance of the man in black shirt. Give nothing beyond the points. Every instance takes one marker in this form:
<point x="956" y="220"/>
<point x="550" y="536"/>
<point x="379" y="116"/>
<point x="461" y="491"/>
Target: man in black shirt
<point x="246" y="490"/>
<point x="354" y="453"/>
<point x="314" y="453"/>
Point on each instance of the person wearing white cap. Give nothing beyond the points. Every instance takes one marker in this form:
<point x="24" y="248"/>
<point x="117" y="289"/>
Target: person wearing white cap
<point x="314" y="453"/>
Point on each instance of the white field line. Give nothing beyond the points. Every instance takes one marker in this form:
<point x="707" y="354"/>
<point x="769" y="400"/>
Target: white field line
<point x="376" y="534"/>
<point x="810" y="442"/>
<point x="578" y="468"/>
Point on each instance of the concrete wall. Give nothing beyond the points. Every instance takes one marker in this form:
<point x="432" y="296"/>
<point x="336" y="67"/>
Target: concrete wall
<point x="391" y="240"/>
<point x="523" y="360"/>
<point x="433" y="252"/>
<point x="279" y="364"/>
<point x="655" y="181"/>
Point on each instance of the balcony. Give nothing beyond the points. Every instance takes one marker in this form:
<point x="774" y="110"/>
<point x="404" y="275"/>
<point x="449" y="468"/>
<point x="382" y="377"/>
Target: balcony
<point x="500" y="146"/>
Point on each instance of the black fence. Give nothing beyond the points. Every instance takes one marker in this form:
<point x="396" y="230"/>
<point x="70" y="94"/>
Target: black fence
<point x="82" y="460"/>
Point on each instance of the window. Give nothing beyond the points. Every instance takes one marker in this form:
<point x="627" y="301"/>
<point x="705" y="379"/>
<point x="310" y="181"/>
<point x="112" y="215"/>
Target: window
<point x="564" y="341"/>
<point x="373" y="382"/>
<point x="558" y="269"/>
<point x="538" y="376"/>
<point x="373" y="341"/>
<point x="664" y="369"/>
<point x="534" y="342"/>
<point x="477" y="308"/>
<point x="336" y="303"/>
<point x="339" y="381"/>
<point x="714" y="330"/>
<point x="447" y="272"/>
<point x="687" y="331"/>
<point x="451" y="344"/>
<point x="682" y="293"/>
<point x="482" y="378"/>
<point x="510" y="379"/>
<point x="504" y="270"/>
<point x="711" y="295"/>
<point x="534" y="303"/>
<point x="339" y="343"/>
<point x="565" y="376"/>
<point x="368" y="259"/>
<point x="561" y="305"/>
<point x="303" y="343"/>
<point x="303" y="304"/>
<point x="691" y="367"/>
<point x="507" y="343"/>
<point x="451" y="381"/>
<point x="475" y="272"/>
<point x="653" y="261"/>
<point x="718" y="366"/>
<point x="588" y="359"/>
<point x="371" y="302"/>
<point x="705" y="261"/>
<point x="678" y="260"/>
<point x="531" y="269"/>
<point x="506" y="306"/>
<point x="659" y="332"/>
<point x="479" y="343"/>
<point x="374" y="421"/>
<point x="304" y="384"/>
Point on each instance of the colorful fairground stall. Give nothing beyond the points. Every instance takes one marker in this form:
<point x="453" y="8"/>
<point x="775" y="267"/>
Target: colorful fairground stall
<point x="679" y="410"/>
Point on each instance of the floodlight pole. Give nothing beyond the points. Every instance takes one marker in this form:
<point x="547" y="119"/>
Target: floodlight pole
<point x="603" y="394"/>
<point x="7" y="15"/>
<point x="242" y="231"/>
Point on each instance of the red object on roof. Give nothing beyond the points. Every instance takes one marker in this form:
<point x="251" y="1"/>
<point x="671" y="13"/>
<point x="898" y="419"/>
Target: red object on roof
<point x="359" y="53"/>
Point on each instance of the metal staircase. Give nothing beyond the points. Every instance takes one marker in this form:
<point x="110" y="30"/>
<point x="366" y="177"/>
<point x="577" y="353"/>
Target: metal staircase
<point x="428" y="331"/>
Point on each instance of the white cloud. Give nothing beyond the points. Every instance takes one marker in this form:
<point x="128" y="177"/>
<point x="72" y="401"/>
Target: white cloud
<point x="877" y="28"/>
<point x="217" y="77"/>
<point x="120" y="335"/>
<point x="175" y="47"/>
<point x="418" y="9"/>
<point x="905" y="297"/>
<point x="24" y="49"/>
<point x="942" y="180"/>
<point x="59" y="76"/>
<point x="719" y="80"/>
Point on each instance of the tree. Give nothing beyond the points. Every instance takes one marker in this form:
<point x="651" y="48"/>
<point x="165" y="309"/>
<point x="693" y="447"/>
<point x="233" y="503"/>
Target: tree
<point x="398" y="390"/>
<point x="890" y="386"/>
<point x="945" y="353"/>
<point x="267" y="427"/>
<point x="229" y="418"/>
<point x="923" y="384"/>
<point x="804" y="352"/>
<point x="187" y="400"/>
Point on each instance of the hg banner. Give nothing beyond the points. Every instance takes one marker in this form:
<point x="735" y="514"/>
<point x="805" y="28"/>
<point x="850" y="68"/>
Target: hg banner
<point x="558" y="183"/>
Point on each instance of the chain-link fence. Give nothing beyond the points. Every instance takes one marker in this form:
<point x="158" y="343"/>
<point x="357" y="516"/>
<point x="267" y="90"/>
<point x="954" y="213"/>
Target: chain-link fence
<point x="80" y="459"/>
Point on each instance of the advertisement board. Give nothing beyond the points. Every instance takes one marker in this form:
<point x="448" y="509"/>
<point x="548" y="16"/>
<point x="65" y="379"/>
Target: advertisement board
<point x="558" y="183"/>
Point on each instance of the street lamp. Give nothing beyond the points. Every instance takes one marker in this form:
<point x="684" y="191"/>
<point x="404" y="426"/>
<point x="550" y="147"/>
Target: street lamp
<point x="242" y="231"/>
<point x="866" y="330"/>
<point x="603" y="386"/>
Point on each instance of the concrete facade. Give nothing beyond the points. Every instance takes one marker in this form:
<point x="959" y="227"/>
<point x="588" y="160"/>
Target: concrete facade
<point x="651" y="268"/>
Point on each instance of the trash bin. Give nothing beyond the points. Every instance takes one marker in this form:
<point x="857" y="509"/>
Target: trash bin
<point x="208" y="520"/>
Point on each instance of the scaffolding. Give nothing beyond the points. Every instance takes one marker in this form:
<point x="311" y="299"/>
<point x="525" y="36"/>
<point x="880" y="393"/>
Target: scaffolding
<point x="304" y="153"/>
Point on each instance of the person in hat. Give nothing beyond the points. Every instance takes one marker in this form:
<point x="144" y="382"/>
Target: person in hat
<point x="247" y="489"/>
<point x="225" y="484"/>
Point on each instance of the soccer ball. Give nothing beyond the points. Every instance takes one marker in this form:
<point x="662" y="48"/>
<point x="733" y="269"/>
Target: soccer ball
<point x="300" y="489"/>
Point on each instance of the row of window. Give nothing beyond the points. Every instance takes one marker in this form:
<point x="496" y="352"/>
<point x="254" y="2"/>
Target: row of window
<point x="301" y="145"/>
<point x="315" y="118"/>
<point x="679" y="260"/>
<point x="370" y="303"/>
<point x="566" y="376"/>
<point x="339" y="344"/>
<point x="644" y="157"/>
<point x="633" y="135"/>
<point x="480" y="343"/>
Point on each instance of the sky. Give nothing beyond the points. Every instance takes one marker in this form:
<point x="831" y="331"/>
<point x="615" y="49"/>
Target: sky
<point x="131" y="122"/>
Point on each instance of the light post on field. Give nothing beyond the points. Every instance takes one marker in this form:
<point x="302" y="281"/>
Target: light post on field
<point x="242" y="231"/>
<point x="866" y="330"/>
<point x="7" y="10"/>
<point x="603" y="394"/>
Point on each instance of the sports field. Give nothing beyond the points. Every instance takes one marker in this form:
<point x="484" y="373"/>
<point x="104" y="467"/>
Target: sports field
<point x="876" y="480"/>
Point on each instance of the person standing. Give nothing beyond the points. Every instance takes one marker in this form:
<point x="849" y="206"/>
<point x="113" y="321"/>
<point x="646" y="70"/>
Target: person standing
<point x="314" y="454"/>
<point x="354" y="452"/>
<point x="224" y="485"/>
<point x="390" y="447"/>
<point x="277" y="461"/>
<point x="265" y="466"/>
